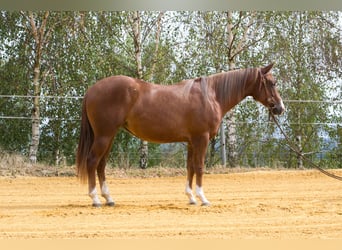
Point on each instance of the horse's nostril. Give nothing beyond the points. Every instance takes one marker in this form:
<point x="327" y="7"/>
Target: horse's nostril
<point x="276" y="110"/>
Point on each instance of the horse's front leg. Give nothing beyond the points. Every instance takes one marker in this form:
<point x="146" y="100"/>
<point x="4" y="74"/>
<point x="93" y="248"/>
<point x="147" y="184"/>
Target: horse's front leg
<point x="190" y="176"/>
<point x="200" y="194"/>
<point x="200" y="145"/>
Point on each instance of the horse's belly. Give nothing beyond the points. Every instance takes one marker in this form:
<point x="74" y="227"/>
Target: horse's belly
<point x="157" y="130"/>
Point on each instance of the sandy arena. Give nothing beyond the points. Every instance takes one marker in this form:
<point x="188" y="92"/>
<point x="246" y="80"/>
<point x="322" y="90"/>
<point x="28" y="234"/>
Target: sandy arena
<point x="250" y="205"/>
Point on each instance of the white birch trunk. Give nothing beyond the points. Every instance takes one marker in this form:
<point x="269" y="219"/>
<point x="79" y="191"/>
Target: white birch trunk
<point x="230" y="119"/>
<point x="39" y="36"/>
<point x="136" y="28"/>
<point x="223" y="144"/>
<point x="35" y="118"/>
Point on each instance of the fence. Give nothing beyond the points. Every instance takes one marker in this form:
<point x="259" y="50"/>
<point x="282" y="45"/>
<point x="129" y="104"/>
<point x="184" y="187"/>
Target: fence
<point x="160" y="155"/>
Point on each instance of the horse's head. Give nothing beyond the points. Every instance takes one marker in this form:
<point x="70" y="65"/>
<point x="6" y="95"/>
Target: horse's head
<point x="266" y="91"/>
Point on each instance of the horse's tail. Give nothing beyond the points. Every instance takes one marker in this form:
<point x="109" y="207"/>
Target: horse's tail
<point x="85" y="142"/>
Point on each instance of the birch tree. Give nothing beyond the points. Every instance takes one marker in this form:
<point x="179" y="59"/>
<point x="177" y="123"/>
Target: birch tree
<point x="244" y="33"/>
<point x="40" y="36"/>
<point x="308" y="50"/>
<point x="227" y="36"/>
<point x="135" y="21"/>
<point x="40" y="28"/>
<point x="37" y="36"/>
<point x="13" y="81"/>
<point x="139" y="38"/>
<point x="37" y="60"/>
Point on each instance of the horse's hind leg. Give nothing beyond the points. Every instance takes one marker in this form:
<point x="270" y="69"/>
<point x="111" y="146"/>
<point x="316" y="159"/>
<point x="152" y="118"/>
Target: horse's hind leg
<point x="98" y="151"/>
<point x="102" y="179"/>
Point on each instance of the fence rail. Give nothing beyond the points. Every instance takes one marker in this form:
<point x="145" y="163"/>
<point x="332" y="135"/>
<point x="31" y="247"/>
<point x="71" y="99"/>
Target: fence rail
<point x="237" y="123"/>
<point x="247" y="157"/>
<point x="332" y="101"/>
<point x="81" y="97"/>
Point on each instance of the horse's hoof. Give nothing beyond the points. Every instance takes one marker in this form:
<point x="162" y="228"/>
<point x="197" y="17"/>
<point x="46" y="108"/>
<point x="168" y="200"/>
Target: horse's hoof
<point x="193" y="203"/>
<point x="96" y="204"/>
<point x="205" y="204"/>
<point x="110" y="204"/>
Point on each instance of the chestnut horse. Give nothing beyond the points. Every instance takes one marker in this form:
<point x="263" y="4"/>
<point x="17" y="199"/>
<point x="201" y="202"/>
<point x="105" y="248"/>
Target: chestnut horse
<point x="190" y="111"/>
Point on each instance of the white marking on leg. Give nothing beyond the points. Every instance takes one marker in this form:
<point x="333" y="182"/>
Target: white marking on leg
<point x="94" y="197"/>
<point x="188" y="192"/>
<point x="105" y="193"/>
<point x="200" y="194"/>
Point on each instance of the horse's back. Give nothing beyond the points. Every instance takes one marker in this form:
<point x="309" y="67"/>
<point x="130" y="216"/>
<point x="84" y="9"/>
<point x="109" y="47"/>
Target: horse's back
<point x="112" y="83"/>
<point x="153" y="112"/>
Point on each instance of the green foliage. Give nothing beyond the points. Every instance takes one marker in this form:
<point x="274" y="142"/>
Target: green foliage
<point x="87" y="46"/>
<point x="305" y="72"/>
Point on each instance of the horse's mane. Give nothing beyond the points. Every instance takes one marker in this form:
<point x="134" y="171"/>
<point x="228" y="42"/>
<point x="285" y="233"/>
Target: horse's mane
<point x="227" y="86"/>
<point x="231" y="85"/>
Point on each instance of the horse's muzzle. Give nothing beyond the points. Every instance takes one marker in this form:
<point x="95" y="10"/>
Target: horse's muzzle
<point x="278" y="109"/>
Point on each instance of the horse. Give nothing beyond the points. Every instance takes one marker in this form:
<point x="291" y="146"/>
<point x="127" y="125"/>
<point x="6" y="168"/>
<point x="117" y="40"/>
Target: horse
<point x="189" y="111"/>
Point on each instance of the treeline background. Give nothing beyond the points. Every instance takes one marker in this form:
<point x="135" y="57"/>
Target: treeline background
<point x="49" y="59"/>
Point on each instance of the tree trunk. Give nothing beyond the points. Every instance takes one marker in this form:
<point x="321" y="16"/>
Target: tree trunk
<point x="35" y="117"/>
<point x="136" y="28"/>
<point x="39" y="36"/>
<point x="156" y="48"/>
<point x="223" y="149"/>
<point x="143" y="154"/>
<point x="299" y="157"/>
<point x="231" y="138"/>
<point x="211" y="153"/>
<point x="231" y="132"/>
<point x="223" y="144"/>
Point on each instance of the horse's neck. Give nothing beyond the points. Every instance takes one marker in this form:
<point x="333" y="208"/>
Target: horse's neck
<point x="231" y="88"/>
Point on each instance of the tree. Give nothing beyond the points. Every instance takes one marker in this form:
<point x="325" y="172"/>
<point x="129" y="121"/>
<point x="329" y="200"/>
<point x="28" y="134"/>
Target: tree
<point x="224" y="37"/>
<point x="40" y="35"/>
<point x="307" y="49"/>
<point x="118" y="43"/>
<point x="62" y="53"/>
<point x="30" y="42"/>
<point x="135" y="20"/>
<point x="13" y="81"/>
<point x="52" y="63"/>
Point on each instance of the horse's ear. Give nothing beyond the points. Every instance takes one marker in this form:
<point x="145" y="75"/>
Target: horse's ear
<point x="267" y="68"/>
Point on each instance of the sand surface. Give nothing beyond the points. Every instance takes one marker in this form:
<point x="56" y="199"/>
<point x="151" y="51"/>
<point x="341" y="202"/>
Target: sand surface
<point x="256" y="205"/>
